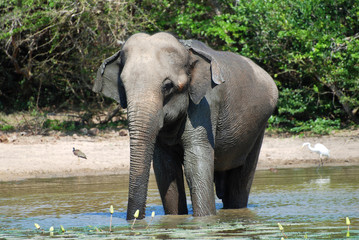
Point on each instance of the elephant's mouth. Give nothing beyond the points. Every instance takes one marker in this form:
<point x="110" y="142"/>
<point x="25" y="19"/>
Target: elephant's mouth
<point x="171" y="132"/>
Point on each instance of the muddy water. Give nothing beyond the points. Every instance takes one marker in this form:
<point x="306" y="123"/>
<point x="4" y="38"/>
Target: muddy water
<point x="304" y="201"/>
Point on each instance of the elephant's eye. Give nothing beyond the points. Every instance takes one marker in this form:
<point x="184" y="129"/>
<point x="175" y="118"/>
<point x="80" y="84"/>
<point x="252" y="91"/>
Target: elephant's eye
<point x="167" y="87"/>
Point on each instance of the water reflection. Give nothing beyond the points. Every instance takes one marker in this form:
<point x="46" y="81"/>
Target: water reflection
<point x="303" y="195"/>
<point x="291" y="195"/>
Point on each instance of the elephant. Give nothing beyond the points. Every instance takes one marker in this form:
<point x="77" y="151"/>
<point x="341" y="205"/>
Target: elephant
<point x="194" y="113"/>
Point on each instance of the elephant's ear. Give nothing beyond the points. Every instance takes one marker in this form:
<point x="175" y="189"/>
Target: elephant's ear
<point x="205" y="69"/>
<point x="108" y="79"/>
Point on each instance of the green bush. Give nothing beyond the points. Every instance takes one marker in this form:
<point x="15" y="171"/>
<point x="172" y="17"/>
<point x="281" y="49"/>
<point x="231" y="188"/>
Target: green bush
<point x="6" y="127"/>
<point x="50" y="50"/>
<point x="318" y="126"/>
<point x="310" y="47"/>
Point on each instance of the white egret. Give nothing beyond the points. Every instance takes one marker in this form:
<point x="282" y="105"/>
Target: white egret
<point x="318" y="148"/>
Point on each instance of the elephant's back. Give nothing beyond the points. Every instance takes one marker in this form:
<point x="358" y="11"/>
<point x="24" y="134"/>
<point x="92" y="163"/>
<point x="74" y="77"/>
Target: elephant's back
<point x="249" y="97"/>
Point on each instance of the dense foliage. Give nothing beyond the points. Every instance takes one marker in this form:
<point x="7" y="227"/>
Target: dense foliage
<point x="50" y="50"/>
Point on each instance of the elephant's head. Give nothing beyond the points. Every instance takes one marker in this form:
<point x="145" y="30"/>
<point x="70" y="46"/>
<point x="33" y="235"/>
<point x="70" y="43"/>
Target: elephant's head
<point x="155" y="78"/>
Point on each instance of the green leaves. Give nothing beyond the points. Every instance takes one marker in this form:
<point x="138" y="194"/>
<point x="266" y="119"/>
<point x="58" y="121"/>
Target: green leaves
<point x="291" y="102"/>
<point x="318" y="126"/>
<point x="308" y="46"/>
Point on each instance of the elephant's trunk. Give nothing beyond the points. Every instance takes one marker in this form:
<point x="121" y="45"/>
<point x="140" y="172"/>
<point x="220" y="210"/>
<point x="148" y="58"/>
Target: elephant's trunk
<point x="144" y="125"/>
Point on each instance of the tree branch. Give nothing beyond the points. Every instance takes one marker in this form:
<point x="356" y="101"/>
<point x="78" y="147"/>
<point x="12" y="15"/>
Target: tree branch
<point x="110" y="115"/>
<point x="216" y="6"/>
<point x="339" y="94"/>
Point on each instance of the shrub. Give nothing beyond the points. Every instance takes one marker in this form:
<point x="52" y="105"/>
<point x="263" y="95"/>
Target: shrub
<point x="310" y="48"/>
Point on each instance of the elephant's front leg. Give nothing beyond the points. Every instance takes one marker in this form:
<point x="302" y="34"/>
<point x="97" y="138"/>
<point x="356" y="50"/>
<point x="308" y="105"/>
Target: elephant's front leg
<point x="167" y="165"/>
<point x="199" y="168"/>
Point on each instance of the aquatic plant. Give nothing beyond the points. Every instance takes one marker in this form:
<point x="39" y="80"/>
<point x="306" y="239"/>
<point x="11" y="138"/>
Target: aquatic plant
<point x="193" y="229"/>
<point x="38" y="228"/>
<point x="152" y="216"/>
<point x="347" y="221"/>
<point x="111" y="211"/>
<point x="137" y="213"/>
<point x="282" y="229"/>
<point x="51" y="231"/>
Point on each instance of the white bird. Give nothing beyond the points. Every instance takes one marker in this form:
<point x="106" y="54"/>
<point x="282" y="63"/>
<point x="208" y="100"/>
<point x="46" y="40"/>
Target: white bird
<point x="318" y="148"/>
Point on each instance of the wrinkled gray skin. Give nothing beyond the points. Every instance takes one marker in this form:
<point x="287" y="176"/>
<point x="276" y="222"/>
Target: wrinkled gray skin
<point x="190" y="109"/>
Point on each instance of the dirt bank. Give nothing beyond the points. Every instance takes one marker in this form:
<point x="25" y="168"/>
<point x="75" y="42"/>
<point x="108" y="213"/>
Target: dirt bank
<point x="23" y="156"/>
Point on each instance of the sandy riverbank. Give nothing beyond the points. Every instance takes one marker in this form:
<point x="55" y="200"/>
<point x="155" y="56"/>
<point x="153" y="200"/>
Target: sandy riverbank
<point x="108" y="153"/>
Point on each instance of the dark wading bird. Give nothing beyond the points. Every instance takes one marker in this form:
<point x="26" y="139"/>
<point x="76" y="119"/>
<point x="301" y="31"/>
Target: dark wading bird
<point x="78" y="153"/>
